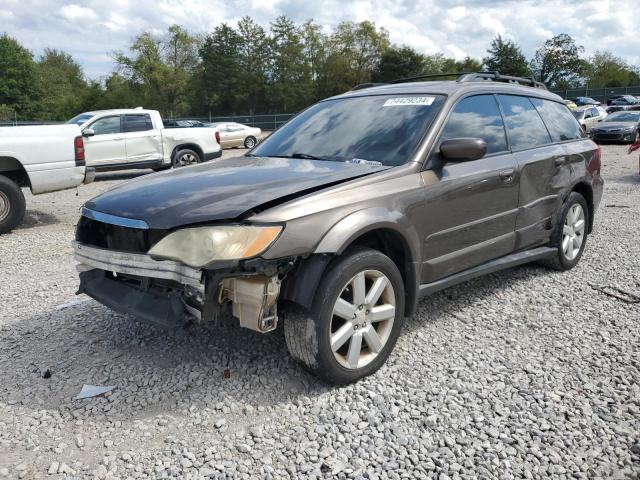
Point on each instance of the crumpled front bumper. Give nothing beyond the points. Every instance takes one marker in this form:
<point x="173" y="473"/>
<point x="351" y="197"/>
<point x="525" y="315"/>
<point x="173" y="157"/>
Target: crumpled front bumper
<point x="172" y="294"/>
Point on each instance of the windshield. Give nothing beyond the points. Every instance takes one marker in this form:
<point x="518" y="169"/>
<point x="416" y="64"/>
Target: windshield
<point x="80" y="119"/>
<point x="382" y="128"/>
<point x="578" y="113"/>
<point x="623" y="117"/>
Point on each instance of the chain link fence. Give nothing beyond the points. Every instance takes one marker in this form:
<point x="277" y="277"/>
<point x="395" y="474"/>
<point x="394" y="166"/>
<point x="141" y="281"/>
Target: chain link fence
<point x="600" y="94"/>
<point x="265" y="122"/>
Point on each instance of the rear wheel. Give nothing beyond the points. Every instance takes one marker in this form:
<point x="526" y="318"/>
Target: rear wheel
<point x="249" y="142"/>
<point x="12" y="205"/>
<point x="185" y="158"/>
<point x="355" y="319"/>
<point x="569" y="235"/>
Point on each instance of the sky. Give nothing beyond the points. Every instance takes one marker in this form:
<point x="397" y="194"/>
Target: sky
<point x="90" y="30"/>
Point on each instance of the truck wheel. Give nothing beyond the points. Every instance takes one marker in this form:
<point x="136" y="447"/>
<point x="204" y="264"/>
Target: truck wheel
<point x="186" y="157"/>
<point x="569" y="235"/>
<point x="12" y="205"/>
<point x="355" y="319"/>
<point x="249" y="142"/>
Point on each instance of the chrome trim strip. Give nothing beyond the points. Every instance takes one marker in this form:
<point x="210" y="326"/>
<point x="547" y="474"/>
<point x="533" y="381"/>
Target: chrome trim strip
<point x="113" y="220"/>
<point x="137" y="264"/>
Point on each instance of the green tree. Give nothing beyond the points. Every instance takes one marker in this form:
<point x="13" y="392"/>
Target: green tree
<point x="467" y="64"/>
<point x="254" y="59"/>
<point x="355" y="50"/>
<point x="62" y="85"/>
<point x="161" y="68"/>
<point x="506" y="57"/>
<point x="399" y="62"/>
<point x="606" y="70"/>
<point x="221" y="70"/>
<point x="290" y="86"/>
<point x="557" y="63"/>
<point x="18" y="78"/>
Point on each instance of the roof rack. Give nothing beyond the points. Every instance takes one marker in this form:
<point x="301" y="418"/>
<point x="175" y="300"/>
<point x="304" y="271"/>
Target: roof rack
<point x="463" y="77"/>
<point x="497" y="77"/>
<point x="367" y="85"/>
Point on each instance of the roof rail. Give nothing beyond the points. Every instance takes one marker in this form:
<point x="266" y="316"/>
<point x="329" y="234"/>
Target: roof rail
<point x="430" y="75"/>
<point x="366" y="85"/>
<point x="497" y="77"/>
<point x="463" y="77"/>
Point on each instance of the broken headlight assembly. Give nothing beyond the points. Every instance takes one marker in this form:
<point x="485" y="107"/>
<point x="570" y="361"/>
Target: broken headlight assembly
<point x="200" y="246"/>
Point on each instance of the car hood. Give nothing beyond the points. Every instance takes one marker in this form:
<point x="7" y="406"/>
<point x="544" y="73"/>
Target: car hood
<point x="222" y="190"/>
<point x="607" y="126"/>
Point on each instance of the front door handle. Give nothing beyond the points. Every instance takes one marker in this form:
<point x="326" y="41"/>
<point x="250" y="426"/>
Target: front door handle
<point x="119" y="138"/>
<point x="507" y="176"/>
<point x="560" y="161"/>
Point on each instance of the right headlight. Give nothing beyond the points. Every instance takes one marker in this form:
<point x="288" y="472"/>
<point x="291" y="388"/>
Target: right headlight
<point x="199" y="246"/>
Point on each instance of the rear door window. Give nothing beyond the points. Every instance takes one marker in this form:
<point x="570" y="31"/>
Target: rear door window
<point x="137" y="123"/>
<point x="477" y="117"/>
<point x="562" y="125"/>
<point x="524" y="126"/>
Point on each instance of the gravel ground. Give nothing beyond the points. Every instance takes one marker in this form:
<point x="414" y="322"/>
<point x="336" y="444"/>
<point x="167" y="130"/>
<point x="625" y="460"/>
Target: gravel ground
<point x="524" y="373"/>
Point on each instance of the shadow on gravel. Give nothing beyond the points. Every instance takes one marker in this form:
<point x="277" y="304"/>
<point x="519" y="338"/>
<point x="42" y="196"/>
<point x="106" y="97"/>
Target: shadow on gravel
<point x="35" y="218"/>
<point x="158" y="371"/>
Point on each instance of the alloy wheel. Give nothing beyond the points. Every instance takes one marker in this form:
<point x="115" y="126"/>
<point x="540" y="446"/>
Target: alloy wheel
<point x="187" y="159"/>
<point x="5" y="206"/>
<point x="573" y="232"/>
<point x="249" y="143"/>
<point x="362" y="319"/>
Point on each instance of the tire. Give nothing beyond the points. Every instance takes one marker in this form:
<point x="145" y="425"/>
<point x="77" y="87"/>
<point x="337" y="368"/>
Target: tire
<point x="186" y="157"/>
<point x="12" y="205"/>
<point x="563" y="259"/>
<point x="309" y="334"/>
<point x="250" y="142"/>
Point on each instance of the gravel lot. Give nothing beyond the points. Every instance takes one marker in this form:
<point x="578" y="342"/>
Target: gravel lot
<point x="525" y="373"/>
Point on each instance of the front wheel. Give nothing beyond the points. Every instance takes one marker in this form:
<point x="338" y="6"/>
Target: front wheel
<point x="250" y="142"/>
<point x="185" y="158"/>
<point x="355" y="319"/>
<point x="12" y="205"/>
<point x="569" y="235"/>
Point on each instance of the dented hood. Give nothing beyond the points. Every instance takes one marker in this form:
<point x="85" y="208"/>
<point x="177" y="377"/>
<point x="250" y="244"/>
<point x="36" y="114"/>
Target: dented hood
<point x="221" y="190"/>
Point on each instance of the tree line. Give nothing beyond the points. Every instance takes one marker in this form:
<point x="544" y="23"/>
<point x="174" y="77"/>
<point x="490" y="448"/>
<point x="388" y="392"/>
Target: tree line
<point x="248" y="69"/>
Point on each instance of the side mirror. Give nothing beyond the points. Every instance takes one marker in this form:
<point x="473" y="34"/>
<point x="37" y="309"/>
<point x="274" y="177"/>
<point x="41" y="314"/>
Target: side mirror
<point x="463" y="149"/>
<point x="88" y="132"/>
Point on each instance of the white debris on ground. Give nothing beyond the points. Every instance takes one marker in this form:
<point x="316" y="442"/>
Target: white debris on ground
<point x="525" y="373"/>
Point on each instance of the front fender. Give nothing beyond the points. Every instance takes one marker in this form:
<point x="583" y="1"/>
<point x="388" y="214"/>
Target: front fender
<point x="343" y="233"/>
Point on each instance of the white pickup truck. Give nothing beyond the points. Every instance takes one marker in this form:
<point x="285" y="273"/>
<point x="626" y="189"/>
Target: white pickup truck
<point x="136" y="138"/>
<point x="44" y="158"/>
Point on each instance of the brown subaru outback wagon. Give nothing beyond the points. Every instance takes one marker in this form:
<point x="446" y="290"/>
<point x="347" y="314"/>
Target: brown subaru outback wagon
<point x="340" y="221"/>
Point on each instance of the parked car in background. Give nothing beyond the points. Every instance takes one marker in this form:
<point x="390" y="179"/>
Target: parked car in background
<point x="571" y="104"/>
<point x="237" y="135"/>
<point x="589" y="116"/>
<point x="618" y="127"/>
<point x="623" y="100"/>
<point x="44" y="158"/>
<point x="581" y="101"/>
<point x="137" y="138"/>
<point x="337" y="228"/>
<point x="170" y="123"/>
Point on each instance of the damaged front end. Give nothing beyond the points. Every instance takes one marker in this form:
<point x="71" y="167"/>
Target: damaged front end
<point x="172" y="294"/>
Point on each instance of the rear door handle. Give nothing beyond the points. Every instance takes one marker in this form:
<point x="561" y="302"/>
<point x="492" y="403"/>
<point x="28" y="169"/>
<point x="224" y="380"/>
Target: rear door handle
<point x="508" y="175"/>
<point x="119" y="138"/>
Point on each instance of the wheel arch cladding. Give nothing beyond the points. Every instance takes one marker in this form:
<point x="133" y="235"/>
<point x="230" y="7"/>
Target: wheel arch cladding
<point x="586" y="191"/>
<point x="300" y="287"/>
<point x="14" y="170"/>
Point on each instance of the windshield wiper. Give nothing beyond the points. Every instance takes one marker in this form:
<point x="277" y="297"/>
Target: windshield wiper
<point x="306" y="156"/>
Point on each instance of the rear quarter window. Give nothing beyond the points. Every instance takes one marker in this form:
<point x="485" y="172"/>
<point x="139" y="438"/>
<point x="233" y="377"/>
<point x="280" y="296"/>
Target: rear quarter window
<point x="525" y="128"/>
<point x="562" y="125"/>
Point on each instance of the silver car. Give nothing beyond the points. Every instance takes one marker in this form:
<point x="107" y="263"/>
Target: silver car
<point x="237" y="135"/>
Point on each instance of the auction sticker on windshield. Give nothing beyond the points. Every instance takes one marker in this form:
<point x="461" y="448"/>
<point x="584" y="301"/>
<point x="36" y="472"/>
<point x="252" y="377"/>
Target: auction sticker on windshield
<point x="408" y="101"/>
